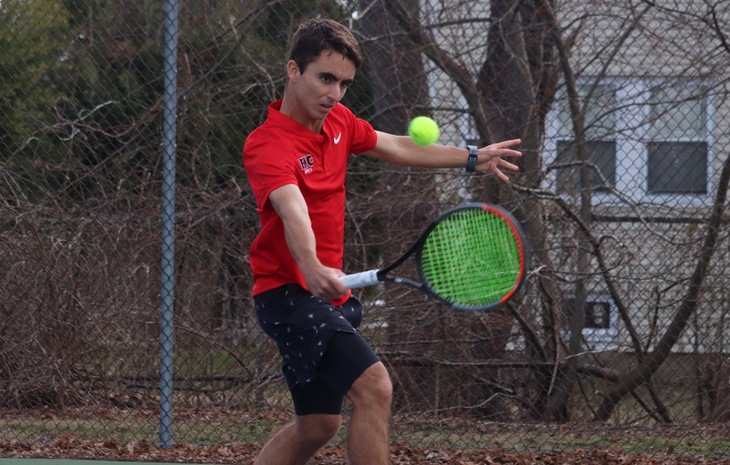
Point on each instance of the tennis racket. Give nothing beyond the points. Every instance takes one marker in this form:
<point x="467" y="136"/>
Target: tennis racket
<point x="472" y="257"/>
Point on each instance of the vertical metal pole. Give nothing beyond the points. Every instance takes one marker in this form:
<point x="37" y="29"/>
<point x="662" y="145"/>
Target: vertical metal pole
<point x="167" y="292"/>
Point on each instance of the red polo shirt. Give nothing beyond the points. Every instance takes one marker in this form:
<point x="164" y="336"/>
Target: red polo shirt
<point x="281" y="151"/>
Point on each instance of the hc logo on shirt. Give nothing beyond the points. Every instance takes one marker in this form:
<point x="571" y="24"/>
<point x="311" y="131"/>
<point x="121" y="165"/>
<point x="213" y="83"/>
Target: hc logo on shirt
<point x="306" y="163"/>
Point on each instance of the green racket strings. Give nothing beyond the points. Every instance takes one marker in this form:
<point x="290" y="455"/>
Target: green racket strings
<point x="472" y="258"/>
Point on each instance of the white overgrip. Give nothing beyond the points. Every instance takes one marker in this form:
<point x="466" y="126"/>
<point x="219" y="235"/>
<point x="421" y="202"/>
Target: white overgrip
<point x="358" y="280"/>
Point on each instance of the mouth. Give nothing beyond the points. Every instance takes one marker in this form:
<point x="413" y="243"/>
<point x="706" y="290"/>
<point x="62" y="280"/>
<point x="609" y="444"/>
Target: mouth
<point x="325" y="109"/>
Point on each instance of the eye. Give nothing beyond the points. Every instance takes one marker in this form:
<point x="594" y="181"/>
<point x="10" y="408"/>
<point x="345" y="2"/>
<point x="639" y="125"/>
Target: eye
<point x="327" y="78"/>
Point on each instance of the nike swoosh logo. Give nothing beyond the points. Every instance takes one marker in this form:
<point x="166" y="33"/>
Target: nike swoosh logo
<point x="337" y="139"/>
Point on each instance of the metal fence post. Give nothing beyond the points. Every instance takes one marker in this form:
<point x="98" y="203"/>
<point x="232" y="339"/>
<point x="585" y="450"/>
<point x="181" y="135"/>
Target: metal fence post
<point x="167" y="293"/>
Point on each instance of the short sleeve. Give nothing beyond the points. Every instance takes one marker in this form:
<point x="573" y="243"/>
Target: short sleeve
<point x="266" y="169"/>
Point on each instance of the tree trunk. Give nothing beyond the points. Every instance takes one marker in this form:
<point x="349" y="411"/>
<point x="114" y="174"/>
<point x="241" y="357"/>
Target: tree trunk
<point x="650" y="363"/>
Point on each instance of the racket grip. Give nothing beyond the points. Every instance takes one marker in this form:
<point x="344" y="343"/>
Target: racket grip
<point x="362" y="279"/>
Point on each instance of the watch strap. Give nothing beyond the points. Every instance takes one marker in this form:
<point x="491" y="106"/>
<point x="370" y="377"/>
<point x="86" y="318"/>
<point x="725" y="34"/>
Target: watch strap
<point x="471" y="162"/>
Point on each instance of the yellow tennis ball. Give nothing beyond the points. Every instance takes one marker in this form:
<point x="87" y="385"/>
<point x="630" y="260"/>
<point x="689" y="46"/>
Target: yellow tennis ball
<point x="423" y="130"/>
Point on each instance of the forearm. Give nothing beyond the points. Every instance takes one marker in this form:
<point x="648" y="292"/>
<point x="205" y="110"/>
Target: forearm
<point x="417" y="156"/>
<point x="301" y="243"/>
<point x="298" y="232"/>
<point x="401" y="150"/>
<point x="322" y="281"/>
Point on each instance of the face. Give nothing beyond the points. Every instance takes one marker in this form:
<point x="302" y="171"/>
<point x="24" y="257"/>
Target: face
<point x="323" y="84"/>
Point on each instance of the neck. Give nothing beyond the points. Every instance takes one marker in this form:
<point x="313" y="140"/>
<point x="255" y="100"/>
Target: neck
<point x="291" y="108"/>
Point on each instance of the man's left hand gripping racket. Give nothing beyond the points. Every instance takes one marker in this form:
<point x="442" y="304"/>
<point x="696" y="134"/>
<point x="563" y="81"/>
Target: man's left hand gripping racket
<point x="472" y="257"/>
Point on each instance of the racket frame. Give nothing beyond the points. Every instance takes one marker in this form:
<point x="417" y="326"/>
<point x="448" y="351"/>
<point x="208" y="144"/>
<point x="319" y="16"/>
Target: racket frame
<point x="371" y="277"/>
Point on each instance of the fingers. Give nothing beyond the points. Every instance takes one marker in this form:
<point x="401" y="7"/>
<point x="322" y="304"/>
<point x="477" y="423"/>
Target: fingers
<point x="324" y="283"/>
<point x="502" y="150"/>
<point x="495" y="162"/>
<point x="507" y="165"/>
<point x="508" y="153"/>
<point x="500" y="175"/>
<point x="506" y="143"/>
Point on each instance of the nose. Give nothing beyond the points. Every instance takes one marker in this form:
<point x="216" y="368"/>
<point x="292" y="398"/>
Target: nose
<point x="336" y="93"/>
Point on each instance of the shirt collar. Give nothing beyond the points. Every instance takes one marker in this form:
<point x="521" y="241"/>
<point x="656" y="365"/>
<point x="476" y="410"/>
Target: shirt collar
<point x="290" y="125"/>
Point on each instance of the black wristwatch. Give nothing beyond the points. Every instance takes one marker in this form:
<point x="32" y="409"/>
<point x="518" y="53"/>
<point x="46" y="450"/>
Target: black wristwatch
<point x="471" y="162"/>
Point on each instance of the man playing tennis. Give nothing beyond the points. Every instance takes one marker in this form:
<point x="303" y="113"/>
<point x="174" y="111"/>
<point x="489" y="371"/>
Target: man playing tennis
<point x="296" y="163"/>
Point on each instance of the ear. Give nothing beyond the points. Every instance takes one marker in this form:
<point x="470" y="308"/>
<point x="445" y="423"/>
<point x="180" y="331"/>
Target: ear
<point x="292" y="70"/>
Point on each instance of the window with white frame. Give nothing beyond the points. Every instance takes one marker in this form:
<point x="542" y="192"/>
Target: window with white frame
<point x="600" y="327"/>
<point x="646" y="139"/>
<point x="677" y="149"/>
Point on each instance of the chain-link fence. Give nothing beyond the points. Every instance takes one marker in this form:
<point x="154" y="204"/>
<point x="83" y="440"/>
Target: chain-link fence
<point x="623" y="324"/>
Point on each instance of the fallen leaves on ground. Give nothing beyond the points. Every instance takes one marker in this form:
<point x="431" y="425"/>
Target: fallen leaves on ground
<point x="72" y="447"/>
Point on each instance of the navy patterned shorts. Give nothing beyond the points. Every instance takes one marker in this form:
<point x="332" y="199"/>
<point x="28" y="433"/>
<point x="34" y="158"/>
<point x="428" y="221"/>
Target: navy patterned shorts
<point x="322" y="352"/>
